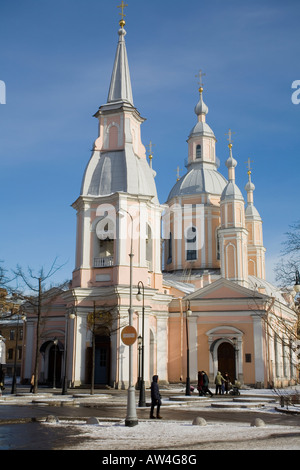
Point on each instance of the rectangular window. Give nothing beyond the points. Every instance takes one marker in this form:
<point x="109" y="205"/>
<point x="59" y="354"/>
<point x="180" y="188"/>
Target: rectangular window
<point x="191" y="254"/>
<point x="248" y="357"/>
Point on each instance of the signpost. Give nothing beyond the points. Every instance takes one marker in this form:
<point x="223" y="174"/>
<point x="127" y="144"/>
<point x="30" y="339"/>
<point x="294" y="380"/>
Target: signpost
<point x="129" y="335"/>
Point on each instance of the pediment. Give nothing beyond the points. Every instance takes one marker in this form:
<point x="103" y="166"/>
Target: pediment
<point x="224" y="289"/>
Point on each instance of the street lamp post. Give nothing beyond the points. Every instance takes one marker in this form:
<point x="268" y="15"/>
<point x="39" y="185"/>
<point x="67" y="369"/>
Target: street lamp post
<point x="139" y="296"/>
<point x="139" y="374"/>
<point x="188" y="381"/>
<point x="71" y="316"/>
<point x="131" y="417"/>
<point x="14" y="380"/>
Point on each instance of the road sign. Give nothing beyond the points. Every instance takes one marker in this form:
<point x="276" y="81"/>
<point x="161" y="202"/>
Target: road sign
<point x="129" y="335"/>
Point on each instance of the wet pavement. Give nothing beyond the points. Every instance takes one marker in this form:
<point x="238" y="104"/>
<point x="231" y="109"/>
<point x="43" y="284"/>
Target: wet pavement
<point x="34" y="436"/>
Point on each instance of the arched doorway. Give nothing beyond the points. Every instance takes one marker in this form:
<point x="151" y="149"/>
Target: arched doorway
<point x="226" y="359"/>
<point x="50" y="372"/>
<point x="54" y="365"/>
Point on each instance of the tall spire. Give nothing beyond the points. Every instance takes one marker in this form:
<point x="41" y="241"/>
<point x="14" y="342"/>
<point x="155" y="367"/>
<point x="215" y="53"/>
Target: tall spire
<point x="231" y="162"/>
<point x="251" y="211"/>
<point x="231" y="191"/>
<point x="249" y="186"/>
<point x="201" y="109"/>
<point x="120" y="85"/>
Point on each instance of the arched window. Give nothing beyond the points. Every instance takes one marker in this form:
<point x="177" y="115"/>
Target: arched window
<point x="191" y="243"/>
<point x="113" y="136"/>
<point x="104" y="255"/>
<point x="198" y="151"/>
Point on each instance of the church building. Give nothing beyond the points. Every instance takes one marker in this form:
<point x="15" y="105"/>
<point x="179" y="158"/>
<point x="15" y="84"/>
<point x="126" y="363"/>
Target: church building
<point x="197" y="263"/>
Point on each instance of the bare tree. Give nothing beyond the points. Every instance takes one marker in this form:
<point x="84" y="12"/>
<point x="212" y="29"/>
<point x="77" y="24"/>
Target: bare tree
<point x="289" y="264"/>
<point x="36" y="295"/>
<point x="281" y="327"/>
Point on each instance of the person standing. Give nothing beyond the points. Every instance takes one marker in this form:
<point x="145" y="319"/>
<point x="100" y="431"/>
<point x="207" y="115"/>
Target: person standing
<point x="2" y="375"/>
<point x="219" y="379"/>
<point x="205" y="384"/>
<point x="155" y="398"/>
<point x="200" y="384"/>
<point x="227" y="382"/>
<point x="32" y="383"/>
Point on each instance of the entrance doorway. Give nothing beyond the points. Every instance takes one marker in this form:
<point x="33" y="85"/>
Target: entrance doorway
<point x="54" y="367"/>
<point x="226" y="360"/>
<point x="102" y="361"/>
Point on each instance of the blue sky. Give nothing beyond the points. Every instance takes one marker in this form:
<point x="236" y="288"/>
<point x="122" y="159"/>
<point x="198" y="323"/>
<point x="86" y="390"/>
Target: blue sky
<point x="56" y="60"/>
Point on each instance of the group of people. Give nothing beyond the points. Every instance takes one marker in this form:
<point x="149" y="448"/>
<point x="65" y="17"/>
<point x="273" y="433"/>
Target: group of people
<point x="203" y="382"/>
<point x="223" y="384"/>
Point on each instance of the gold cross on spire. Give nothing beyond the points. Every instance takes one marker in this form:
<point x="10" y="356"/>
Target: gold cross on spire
<point x="200" y="75"/>
<point x="178" y="173"/>
<point x="230" y="137"/>
<point x="150" y="148"/>
<point x="122" y="6"/>
<point x="249" y="166"/>
<point x="150" y="152"/>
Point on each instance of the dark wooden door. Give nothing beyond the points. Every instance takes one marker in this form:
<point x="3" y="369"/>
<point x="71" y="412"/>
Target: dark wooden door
<point x="226" y="360"/>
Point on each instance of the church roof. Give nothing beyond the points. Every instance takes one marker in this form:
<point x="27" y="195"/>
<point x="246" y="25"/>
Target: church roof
<point x="232" y="191"/>
<point x="120" y="84"/>
<point x="119" y="171"/>
<point x="200" y="179"/>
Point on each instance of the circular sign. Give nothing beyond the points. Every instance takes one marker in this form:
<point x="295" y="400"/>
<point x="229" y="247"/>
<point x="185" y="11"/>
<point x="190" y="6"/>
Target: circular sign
<point x="129" y="335"/>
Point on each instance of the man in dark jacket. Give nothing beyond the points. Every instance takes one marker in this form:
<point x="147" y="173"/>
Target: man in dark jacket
<point x="205" y="384"/>
<point x="155" y="397"/>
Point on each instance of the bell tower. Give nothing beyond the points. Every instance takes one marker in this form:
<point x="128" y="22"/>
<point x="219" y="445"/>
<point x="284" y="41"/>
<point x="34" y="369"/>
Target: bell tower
<point x="233" y="234"/>
<point x="118" y="203"/>
<point x="256" y="249"/>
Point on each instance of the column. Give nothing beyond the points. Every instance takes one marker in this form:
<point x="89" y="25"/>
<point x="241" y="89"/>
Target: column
<point x="193" y="346"/>
<point x="258" y="349"/>
<point x="162" y="348"/>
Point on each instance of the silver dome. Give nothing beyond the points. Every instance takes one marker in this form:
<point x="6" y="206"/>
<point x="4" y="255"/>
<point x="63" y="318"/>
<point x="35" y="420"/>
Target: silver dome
<point x="200" y="179"/>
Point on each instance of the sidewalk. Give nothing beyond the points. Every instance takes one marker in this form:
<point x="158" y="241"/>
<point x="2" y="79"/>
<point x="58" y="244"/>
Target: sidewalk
<point x="172" y="395"/>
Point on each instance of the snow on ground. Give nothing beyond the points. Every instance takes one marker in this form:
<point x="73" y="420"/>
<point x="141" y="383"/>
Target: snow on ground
<point x="170" y="436"/>
<point x="179" y="436"/>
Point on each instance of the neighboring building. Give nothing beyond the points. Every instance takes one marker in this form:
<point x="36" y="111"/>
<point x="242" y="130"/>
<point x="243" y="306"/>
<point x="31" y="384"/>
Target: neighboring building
<point x="214" y="266"/>
<point x="2" y="350"/>
<point x="11" y="344"/>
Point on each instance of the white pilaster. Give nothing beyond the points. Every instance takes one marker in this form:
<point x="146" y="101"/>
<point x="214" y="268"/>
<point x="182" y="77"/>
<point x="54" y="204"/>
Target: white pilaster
<point x="258" y="335"/>
<point x="162" y="348"/>
<point x="193" y="344"/>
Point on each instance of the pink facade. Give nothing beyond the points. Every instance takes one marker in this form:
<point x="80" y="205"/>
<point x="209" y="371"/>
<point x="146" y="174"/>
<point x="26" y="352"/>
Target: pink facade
<point x="213" y="264"/>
